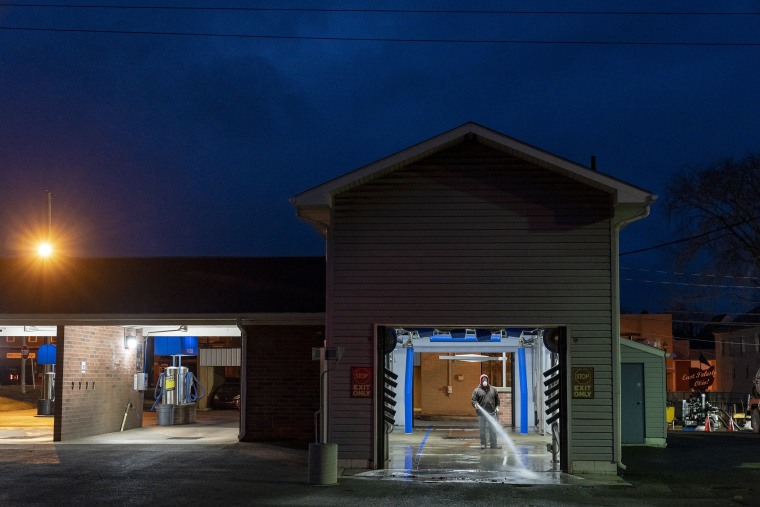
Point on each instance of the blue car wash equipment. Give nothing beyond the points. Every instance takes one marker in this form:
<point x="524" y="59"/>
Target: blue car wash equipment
<point x="177" y="389"/>
<point x="46" y="357"/>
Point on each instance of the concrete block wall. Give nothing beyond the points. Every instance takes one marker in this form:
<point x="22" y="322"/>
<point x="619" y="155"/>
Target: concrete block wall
<point x="435" y="375"/>
<point x="282" y="382"/>
<point x="93" y="401"/>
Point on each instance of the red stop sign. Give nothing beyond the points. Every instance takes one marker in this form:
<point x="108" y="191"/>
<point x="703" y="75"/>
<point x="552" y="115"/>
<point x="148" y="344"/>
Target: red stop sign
<point x="24" y="351"/>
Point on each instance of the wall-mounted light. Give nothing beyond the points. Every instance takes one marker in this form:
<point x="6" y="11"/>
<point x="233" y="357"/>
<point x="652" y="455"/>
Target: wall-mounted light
<point x="130" y="342"/>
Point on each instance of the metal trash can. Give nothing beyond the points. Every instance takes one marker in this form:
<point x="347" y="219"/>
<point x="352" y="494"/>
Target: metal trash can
<point x="323" y="464"/>
<point x="165" y="414"/>
<point x="45" y="407"/>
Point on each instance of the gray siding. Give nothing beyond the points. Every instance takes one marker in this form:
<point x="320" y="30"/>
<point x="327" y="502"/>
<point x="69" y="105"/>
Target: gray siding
<point x="471" y="236"/>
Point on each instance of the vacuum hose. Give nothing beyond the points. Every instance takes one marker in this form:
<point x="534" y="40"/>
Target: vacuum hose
<point x="191" y="388"/>
<point x="157" y="396"/>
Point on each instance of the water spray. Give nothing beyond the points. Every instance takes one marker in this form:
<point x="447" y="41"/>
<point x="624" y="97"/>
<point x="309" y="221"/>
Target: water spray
<point x="505" y="436"/>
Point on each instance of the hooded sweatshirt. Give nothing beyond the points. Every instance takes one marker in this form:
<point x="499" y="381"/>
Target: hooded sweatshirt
<point x="486" y="397"/>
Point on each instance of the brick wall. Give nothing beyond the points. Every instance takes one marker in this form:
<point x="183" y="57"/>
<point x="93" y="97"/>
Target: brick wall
<point x="282" y="382"/>
<point x="436" y="375"/>
<point x="93" y="402"/>
<point x="505" y="407"/>
<point x="433" y="399"/>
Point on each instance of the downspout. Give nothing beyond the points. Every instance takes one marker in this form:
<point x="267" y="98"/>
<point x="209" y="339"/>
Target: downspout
<point x="243" y="381"/>
<point x="616" y="368"/>
<point x="323" y="229"/>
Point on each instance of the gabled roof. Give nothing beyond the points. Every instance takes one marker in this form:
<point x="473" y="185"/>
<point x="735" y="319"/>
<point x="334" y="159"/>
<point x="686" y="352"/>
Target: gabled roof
<point x="642" y="348"/>
<point x="314" y="204"/>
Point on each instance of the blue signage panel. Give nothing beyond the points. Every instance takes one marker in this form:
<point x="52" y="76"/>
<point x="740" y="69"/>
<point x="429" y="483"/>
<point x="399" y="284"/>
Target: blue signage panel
<point x="175" y="346"/>
<point x="46" y="354"/>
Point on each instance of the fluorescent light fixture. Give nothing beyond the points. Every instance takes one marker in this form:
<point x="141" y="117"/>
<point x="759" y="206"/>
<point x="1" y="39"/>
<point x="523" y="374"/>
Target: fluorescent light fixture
<point x="470" y="358"/>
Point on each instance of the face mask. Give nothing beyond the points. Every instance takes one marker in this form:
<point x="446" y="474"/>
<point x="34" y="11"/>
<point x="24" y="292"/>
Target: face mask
<point x="485" y="383"/>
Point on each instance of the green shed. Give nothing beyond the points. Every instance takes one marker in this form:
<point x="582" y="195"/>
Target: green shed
<point x="643" y="394"/>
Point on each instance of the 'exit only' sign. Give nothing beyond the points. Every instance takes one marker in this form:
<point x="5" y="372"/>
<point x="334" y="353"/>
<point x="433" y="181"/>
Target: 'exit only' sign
<point x="582" y="382"/>
<point x="361" y="382"/>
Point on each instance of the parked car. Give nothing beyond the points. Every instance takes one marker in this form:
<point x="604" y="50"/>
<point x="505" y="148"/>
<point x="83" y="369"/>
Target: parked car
<point x="226" y="396"/>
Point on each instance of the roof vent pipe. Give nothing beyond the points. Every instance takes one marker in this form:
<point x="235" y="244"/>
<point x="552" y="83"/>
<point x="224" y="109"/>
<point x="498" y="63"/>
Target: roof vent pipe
<point x="593" y="162"/>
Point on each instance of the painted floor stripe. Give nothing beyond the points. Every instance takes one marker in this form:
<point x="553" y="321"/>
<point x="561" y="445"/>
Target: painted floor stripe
<point x="422" y="445"/>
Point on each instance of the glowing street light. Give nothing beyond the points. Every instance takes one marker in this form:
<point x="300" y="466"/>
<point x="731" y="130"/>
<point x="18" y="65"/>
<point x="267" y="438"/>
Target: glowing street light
<point x="44" y="249"/>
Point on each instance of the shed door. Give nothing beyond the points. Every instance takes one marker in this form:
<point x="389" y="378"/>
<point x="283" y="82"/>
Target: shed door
<point x="632" y="401"/>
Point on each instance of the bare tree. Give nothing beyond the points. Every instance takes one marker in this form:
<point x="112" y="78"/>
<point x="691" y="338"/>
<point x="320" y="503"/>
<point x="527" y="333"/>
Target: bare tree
<point x="717" y="208"/>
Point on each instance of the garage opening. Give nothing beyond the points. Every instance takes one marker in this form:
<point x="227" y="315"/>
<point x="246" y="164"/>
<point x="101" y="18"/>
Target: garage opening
<point x="426" y="420"/>
<point x="112" y="375"/>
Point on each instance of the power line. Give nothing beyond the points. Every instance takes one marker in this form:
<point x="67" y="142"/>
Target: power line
<point x="689" y="238"/>
<point x="679" y="273"/>
<point x="687" y="284"/>
<point x="387" y="39"/>
<point x="383" y="11"/>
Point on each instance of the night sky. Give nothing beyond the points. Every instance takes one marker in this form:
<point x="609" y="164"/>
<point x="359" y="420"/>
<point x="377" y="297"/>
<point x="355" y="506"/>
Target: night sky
<point x="189" y="137"/>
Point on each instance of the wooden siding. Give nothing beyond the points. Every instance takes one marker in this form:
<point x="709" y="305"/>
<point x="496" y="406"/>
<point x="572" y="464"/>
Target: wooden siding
<point x="654" y="389"/>
<point x="471" y="236"/>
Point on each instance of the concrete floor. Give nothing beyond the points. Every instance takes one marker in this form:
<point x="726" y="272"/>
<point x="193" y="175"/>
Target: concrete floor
<point x="436" y="451"/>
<point x="211" y="427"/>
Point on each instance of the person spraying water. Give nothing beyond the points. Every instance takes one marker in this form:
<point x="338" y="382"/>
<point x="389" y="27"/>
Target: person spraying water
<point x="485" y="400"/>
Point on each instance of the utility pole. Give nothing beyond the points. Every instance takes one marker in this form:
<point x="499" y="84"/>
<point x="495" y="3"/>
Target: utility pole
<point x="48" y="240"/>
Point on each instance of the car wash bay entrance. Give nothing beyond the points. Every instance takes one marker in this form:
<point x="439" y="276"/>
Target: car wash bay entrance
<point x="431" y="423"/>
<point x="112" y="377"/>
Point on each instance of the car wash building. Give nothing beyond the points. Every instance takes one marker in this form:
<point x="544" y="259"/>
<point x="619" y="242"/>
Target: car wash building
<point x="471" y="252"/>
<point x="119" y="324"/>
<point x="475" y="243"/>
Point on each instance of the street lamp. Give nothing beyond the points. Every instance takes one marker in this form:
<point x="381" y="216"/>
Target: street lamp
<point x="44" y="249"/>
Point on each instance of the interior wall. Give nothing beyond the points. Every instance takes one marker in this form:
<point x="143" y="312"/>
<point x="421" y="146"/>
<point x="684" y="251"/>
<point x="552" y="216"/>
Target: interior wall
<point x="94" y="382"/>
<point x="437" y="376"/>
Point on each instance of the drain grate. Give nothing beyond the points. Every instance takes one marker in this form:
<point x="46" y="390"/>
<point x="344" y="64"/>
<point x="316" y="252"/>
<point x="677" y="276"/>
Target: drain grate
<point x="184" y="438"/>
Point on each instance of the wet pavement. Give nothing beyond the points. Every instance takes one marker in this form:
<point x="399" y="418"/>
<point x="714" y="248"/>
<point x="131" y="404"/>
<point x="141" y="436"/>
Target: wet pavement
<point x="451" y="451"/>
<point x="204" y="464"/>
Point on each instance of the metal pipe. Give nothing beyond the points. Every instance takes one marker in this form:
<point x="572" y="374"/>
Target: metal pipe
<point x="408" y="380"/>
<point x="243" y="383"/>
<point x="523" y="390"/>
<point x="126" y="411"/>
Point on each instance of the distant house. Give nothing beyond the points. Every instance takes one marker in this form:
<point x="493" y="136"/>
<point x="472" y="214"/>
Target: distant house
<point x="656" y="331"/>
<point x="738" y="359"/>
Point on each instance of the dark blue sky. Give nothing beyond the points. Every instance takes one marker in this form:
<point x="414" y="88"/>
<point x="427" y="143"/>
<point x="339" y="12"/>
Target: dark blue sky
<point x="157" y="144"/>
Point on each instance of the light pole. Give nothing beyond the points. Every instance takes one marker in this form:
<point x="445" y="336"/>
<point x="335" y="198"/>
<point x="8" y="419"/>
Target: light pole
<point x="44" y="250"/>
